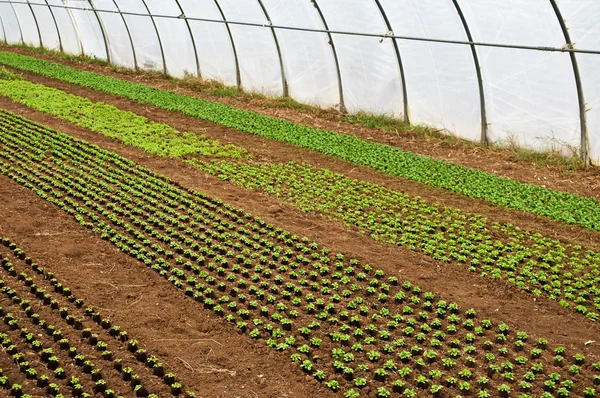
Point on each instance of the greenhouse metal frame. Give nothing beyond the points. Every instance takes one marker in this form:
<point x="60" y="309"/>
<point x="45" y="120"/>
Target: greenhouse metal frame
<point x="503" y="72"/>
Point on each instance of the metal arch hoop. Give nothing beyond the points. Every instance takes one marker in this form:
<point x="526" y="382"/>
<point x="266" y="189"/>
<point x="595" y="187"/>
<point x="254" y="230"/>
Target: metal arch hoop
<point x="60" y="44"/>
<point x="335" y="56"/>
<point x="399" y="59"/>
<point x="187" y="22"/>
<point x="563" y="49"/>
<point x="482" y="103"/>
<point x="18" y="22"/>
<point x="3" y="30"/>
<point x="69" y="12"/>
<point x="284" y="81"/>
<point x="238" y="76"/>
<point x="135" y="64"/>
<point x="104" y="37"/>
<point x="580" y="96"/>
<point x="162" y="51"/>
<point x="37" y="25"/>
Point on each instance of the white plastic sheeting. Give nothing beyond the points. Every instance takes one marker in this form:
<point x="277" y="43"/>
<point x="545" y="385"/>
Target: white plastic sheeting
<point x="176" y="39"/>
<point x="121" y="48"/>
<point x="308" y="59"/>
<point x="70" y="38"/>
<point x="582" y="16"/>
<point x="531" y="96"/>
<point x="528" y="97"/>
<point x="89" y="29"/>
<point x="442" y="82"/>
<point x="259" y="64"/>
<point x="11" y="28"/>
<point x="47" y="25"/>
<point x="144" y="34"/>
<point x="214" y="45"/>
<point x="369" y="67"/>
<point x="29" y="28"/>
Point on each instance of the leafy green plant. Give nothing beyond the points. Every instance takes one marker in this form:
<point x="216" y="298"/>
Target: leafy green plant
<point x="6" y="74"/>
<point x="562" y="206"/>
<point x="124" y="189"/>
<point x="132" y="129"/>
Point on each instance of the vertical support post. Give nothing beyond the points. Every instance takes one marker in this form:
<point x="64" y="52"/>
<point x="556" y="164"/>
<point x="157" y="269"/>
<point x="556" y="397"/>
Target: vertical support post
<point x="283" y="74"/>
<point x="399" y="59"/>
<point x="482" y="103"/>
<point x="335" y="56"/>
<point x="583" y="144"/>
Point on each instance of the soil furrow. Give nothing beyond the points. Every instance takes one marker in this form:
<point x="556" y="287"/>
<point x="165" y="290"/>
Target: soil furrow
<point x="470" y="291"/>
<point x="126" y="166"/>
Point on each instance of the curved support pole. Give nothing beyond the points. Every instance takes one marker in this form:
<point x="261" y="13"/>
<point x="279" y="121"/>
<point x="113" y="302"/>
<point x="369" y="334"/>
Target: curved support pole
<point x="162" y="50"/>
<point x="18" y="23"/>
<point x="284" y="82"/>
<point x="37" y="25"/>
<point x="60" y="44"/>
<point x="580" y="97"/>
<point x="104" y="36"/>
<point x="399" y="59"/>
<point x="135" y="63"/>
<point x="3" y="30"/>
<point x="69" y="12"/>
<point x="335" y="56"/>
<point x="238" y="76"/>
<point x="187" y="22"/>
<point x="482" y="104"/>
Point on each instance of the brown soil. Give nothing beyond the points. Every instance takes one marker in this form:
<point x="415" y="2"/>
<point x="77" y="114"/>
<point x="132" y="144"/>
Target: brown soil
<point x="490" y="298"/>
<point x="275" y="151"/>
<point x="206" y="354"/>
<point x="71" y="331"/>
<point x="586" y="182"/>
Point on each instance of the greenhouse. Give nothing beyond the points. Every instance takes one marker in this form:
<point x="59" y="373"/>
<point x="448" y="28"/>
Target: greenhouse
<point x="309" y="198"/>
<point x="485" y="71"/>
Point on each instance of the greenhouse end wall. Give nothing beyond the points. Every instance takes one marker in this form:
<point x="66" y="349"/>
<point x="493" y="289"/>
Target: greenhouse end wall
<point x="506" y="71"/>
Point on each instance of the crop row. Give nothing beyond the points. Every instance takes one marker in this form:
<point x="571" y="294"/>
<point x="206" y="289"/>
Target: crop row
<point x="345" y="323"/>
<point x="52" y="336"/>
<point x="562" y="206"/>
<point x="568" y="274"/>
<point x="155" y="138"/>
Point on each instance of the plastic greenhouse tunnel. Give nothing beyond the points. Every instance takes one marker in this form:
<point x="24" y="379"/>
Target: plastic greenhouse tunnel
<point x="487" y="71"/>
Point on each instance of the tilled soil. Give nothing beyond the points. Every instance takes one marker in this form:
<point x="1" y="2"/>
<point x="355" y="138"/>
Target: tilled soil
<point x="205" y="352"/>
<point x="208" y="356"/>
<point x="491" y="298"/>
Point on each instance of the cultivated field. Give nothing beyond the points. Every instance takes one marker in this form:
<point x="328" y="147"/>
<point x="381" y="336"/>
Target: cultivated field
<point x="157" y="241"/>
